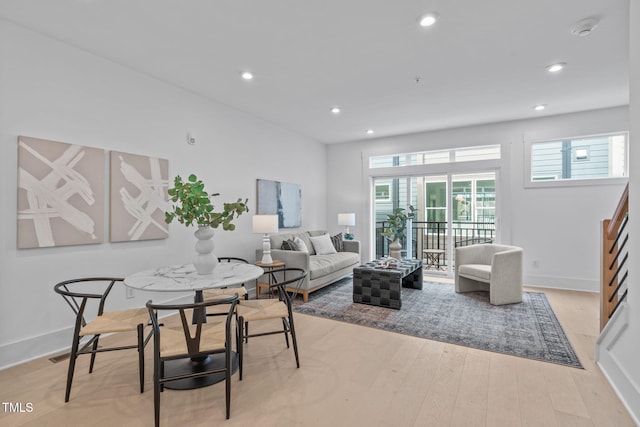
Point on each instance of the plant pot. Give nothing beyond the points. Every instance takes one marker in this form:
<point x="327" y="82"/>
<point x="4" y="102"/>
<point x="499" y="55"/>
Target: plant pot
<point x="205" y="261"/>
<point x="394" y="249"/>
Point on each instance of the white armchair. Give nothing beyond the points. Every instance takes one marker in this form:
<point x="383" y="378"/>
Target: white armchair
<point x="493" y="268"/>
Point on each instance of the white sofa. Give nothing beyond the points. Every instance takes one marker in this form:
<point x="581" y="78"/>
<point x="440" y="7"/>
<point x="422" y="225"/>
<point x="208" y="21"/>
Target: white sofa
<point x="493" y="268"/>
<point x="322" y="269"/>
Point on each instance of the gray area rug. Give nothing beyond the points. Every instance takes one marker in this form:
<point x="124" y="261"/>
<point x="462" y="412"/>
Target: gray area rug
<point x="436" y="312"/>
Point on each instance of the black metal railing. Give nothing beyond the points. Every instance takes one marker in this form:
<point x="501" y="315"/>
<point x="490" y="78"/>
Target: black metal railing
<point x="427" y="235"/>
<point x="614" y="268"/>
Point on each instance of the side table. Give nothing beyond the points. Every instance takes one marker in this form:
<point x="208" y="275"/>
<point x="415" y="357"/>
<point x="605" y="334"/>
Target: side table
<point x="433" y="258"/>
<point x="267" y="269"/>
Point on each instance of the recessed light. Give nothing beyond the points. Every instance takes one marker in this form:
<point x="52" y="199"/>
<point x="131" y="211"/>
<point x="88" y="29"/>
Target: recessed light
<point x="540" y="107"/>
<point x="369" y="131"/>
<point x="247" y="75"/>
<point x="554" y="68"/>
<point x="428" y="19"/>
<point x="335" y="110"/>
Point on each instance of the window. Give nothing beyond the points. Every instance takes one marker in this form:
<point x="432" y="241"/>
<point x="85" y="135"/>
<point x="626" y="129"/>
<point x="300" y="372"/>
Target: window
<point x="581" y="158"/>
<point x="465" y="154"/>
<point x="383" y="192"/>
<point x="436" y="201"/>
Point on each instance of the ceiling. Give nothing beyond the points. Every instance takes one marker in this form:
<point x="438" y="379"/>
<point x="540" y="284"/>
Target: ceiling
<point x="482" y="62"/>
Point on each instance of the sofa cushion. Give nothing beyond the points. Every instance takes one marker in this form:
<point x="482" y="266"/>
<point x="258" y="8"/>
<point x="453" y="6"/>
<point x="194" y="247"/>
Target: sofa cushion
<point x="321" y="265"/>
<point x="322" y="244"/>
<point x="480" y="272"/>
<point x="289" y="245"/>
<point x="277" y="239"/>
<point x="337" y="242"/>
<point x="301" y="245"/>
<point x="305" y="238"/>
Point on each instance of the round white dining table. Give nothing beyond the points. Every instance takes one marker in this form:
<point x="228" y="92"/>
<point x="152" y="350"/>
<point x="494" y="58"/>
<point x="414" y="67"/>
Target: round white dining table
<point x="181" y="278"/>
<point x="184" y="278"/>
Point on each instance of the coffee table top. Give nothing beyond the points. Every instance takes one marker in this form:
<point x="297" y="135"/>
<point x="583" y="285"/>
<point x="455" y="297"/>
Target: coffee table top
<point x="404" y="266"/>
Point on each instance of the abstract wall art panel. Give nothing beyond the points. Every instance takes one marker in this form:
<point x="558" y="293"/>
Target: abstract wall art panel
<point x="283" y="199"/>
<point x="60" y="194"/>
<point x="138" y="197"/>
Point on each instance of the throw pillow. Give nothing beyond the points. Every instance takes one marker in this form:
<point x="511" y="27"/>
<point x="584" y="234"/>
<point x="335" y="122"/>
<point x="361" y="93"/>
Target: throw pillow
<point x="289" y="245"/>
<point x="302" y="247"/>
<point x="322" y="244"/>
<point x="337" y="242"/>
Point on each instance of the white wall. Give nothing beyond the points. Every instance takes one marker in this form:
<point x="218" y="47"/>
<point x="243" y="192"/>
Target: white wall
<point x="53" y="91"/>
<point x="619" y="345"/>
<point x="556" y="227"/>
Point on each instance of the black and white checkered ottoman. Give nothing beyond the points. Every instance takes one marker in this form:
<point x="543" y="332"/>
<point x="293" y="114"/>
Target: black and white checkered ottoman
<point x="381" y="286"/>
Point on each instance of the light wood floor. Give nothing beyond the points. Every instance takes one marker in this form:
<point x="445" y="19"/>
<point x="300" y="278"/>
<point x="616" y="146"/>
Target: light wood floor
<point x="349" y="376"/>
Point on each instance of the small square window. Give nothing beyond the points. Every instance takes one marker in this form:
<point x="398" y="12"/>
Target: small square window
<point x="582" y="154"/>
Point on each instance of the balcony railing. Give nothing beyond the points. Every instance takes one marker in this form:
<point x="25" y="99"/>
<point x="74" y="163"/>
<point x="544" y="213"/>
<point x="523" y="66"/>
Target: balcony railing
<point x="427" y="235"/>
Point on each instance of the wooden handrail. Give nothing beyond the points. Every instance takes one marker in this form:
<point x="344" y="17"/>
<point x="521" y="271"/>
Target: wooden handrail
<point x="619" y="214"/>
<point x="610" y="281"/>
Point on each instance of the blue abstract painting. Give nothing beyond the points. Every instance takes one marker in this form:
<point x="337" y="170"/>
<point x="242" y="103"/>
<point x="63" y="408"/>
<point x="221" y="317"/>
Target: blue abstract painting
<point x="283" y="199"/>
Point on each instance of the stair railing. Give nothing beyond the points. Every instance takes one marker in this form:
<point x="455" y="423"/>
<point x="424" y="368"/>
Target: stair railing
<point x="614" y="267"/>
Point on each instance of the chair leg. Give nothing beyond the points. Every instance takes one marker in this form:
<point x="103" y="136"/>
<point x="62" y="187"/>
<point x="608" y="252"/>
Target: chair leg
<point x="227" y="381"/>
<point x="295" y="342"/>
<point x="286" y="330"/>
<point x="162" y="375"/>
<point x="72" y="365"/>
<point x="93" y="354"/>
<point x="246" y="332"/>
<point x="156" y="394"/>
<point x="141" y="355"/>
<point x="240" y="345"/>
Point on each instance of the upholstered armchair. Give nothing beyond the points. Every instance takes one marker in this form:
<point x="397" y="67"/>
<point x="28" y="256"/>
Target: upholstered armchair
<point x="493" y="268"/>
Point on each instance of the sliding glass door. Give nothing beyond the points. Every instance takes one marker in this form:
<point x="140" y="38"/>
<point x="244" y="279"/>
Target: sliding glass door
<point x="452" y="210"/>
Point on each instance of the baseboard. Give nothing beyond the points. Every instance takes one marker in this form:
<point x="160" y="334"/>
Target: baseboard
<point x="622" y="383"/>
<point x="48" y="344"/>
<point x="559" y="282"/>
<point x="35" y="347"/>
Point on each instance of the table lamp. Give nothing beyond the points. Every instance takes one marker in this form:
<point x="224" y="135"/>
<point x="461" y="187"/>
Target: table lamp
<point x="265" y="224"/>
<point x="348" y="220"/>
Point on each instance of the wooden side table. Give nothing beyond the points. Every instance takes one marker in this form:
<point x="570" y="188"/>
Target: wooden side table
<point x="267" y="268"/>
<point x="433" y="258"/>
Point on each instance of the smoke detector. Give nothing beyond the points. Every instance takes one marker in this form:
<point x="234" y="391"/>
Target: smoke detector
<point x="584" y="27"/>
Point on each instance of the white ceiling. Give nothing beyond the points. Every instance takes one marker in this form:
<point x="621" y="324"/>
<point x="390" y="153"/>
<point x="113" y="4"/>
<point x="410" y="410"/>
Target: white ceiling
<point x="484" y="61"/>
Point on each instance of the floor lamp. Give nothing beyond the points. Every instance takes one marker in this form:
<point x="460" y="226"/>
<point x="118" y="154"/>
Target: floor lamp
<point x="265" y="224"/>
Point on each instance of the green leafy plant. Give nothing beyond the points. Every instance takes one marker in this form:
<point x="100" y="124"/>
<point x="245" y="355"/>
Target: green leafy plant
<point x="397" y="228"/>
<point x="192" y="205"/>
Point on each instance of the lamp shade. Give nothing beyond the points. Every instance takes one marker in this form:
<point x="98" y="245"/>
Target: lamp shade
<point x="348" y="219"/>
<point x="265" y="224"/>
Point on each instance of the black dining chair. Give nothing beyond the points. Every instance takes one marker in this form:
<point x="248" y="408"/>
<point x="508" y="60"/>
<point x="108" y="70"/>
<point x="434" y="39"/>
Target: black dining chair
<point x="77" y="293"/>
<point x="191" y="339"/>
<point x="212" y="294"/>
<point x="278" y="306"/>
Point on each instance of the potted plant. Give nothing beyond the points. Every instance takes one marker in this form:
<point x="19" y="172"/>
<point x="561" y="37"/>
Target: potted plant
<point x="397" y="229"/>
<point x="192" y="205"/>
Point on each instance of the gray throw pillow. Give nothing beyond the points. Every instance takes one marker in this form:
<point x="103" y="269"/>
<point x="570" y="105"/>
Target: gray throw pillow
<point x="337" y="242"/>
<point x="289" y="245"/>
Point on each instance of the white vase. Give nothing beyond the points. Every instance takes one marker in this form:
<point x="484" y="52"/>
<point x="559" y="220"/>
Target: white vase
<point x="394" y="249"/>
<point x="205" y="261"/>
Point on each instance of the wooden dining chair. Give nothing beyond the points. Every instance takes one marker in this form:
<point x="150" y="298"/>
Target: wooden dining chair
<point x="77" y="293"/>
<point x="279" y="306"/>
<point x="191" y="339"/>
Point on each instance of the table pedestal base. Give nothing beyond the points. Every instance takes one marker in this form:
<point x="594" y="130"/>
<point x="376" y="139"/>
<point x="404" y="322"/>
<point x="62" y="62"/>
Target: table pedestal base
<point x="187" y="366"/>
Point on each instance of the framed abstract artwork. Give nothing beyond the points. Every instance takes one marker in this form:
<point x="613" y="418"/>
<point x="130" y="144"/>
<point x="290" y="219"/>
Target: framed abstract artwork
<point x="60" y="194"/>
<point x="282" y="199"/>
<point x="138" y="197"/>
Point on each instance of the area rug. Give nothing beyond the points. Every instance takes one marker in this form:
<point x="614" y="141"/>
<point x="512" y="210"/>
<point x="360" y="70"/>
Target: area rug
<point x="436" y="312"/>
